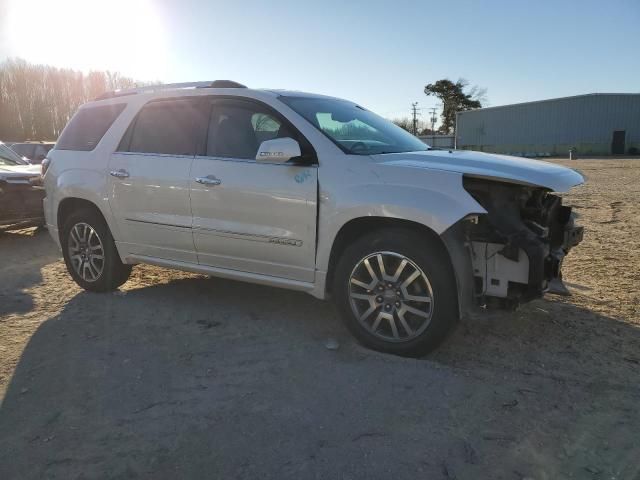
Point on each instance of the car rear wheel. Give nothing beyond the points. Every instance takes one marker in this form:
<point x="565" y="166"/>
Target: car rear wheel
<point x="396" y="292"/>
<point x="90" y="253"/>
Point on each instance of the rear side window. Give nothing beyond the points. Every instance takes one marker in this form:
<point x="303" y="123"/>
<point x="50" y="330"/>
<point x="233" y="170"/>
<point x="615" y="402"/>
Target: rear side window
<point x="168" y="127"/>
<point x="88" y="126"/>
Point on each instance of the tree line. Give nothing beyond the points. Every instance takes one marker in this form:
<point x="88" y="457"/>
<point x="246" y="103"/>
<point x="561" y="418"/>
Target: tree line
<point x="37" y="101"/>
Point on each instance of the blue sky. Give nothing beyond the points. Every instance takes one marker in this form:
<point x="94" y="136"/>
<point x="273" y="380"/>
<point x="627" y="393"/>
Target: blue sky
<point x="378" y="53"/>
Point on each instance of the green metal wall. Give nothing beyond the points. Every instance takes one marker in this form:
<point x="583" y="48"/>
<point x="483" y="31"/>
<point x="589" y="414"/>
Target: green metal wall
<point x="551" y="127"/>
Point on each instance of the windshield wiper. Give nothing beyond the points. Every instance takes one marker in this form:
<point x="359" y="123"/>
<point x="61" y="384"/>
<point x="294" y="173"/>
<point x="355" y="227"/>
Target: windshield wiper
<point x="385" y="152"/>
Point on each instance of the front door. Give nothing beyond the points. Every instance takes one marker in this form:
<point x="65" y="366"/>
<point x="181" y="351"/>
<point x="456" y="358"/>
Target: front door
<point x="252" y="216"/>
<point x="149" y="180"/>
<point x="618" y="142"/>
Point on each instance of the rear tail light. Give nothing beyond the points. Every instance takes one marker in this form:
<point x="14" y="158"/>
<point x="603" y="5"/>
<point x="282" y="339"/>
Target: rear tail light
<point x="45" y="165"/>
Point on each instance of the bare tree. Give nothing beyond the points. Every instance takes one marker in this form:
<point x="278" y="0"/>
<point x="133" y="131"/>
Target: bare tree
<point x="37" y="101"/>
<point x="407" y="124"/>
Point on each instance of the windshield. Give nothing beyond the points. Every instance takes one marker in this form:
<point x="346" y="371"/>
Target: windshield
<point x="355" y="130"/>
<point x="9" y="157"/>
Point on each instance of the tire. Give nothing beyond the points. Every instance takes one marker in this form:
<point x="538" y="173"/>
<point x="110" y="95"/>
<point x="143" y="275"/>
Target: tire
<point x="109" y="272"/>
<point x="425" y="323"/>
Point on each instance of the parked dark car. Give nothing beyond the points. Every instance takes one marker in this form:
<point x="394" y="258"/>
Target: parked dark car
<point x="35" y="152"/>
<point x="20" y="191"/>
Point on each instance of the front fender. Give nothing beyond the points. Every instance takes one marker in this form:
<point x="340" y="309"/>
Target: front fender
<point x="436" y="201"/>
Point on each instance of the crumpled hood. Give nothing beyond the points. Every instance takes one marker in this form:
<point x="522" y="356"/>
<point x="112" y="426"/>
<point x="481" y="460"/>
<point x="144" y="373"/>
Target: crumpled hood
<point x="19" y="172"/>
<point x="484" y="165"/>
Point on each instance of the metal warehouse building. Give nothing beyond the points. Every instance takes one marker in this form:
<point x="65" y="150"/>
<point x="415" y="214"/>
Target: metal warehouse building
<point x="593" y="124"/>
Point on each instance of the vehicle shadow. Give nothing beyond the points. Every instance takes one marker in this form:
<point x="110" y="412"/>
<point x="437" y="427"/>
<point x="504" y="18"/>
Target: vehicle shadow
<point x="31" y="249"/>
<point x="181" y="379"/>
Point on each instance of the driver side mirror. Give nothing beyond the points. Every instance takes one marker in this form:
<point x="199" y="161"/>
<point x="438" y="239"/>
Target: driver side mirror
<point x="278" y="150"/>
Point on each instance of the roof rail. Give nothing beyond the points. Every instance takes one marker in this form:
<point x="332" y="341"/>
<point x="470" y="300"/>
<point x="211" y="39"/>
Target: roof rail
<point x="226" y="84"/>
<point x="170" y="86"/>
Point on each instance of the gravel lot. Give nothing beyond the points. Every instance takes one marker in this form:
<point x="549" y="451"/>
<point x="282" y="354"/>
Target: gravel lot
<point x="182" y="376"/>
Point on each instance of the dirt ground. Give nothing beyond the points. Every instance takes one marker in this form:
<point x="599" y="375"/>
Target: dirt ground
<point x="183" y="376"/>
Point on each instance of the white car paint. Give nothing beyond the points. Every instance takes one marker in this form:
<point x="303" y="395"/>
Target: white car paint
<point x="148" y="198"/>
<point x="484" y="165"/>
<point x="261" y="218"/>
<point x="262" y="224"/>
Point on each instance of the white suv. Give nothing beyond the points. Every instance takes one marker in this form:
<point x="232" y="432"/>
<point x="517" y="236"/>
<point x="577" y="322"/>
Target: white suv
<point x="306" y="192"/>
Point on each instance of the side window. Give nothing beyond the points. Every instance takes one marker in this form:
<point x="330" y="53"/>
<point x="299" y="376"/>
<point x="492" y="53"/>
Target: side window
<point x="173" y="127"/>
<point x="237" y="128"/>
<point x="267" y="127"/>
<point x="88" y="126"/>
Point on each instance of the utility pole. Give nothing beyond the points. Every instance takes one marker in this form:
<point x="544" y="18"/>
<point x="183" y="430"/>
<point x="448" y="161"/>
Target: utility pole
<point x="414" y="110"/>
<point x="433" y="110"/>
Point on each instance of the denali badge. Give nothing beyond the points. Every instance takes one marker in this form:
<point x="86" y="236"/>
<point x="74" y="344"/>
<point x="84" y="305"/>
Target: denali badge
<point x="286" y="241"/>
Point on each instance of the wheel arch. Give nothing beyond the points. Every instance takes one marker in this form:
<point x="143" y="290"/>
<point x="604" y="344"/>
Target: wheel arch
<point x="72" y="204"/>
<point x="69" y="205"/>
<point x="360" y="226"/>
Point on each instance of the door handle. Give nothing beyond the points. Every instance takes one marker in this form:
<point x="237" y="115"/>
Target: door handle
<point x="209" y="181"/>
<point x="122" y="173"/>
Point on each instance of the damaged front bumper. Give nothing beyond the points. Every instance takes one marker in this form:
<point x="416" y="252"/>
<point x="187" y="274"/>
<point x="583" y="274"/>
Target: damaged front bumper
<point x="513" y="253"/>
<point x="520" y="272"/>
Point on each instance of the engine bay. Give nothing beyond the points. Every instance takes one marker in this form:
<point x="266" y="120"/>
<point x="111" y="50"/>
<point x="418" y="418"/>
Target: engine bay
<point x="518" y="246"/>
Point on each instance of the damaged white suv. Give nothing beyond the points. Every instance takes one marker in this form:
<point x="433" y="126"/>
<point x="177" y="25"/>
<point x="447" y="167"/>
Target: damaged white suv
<point x="306" y="192"/>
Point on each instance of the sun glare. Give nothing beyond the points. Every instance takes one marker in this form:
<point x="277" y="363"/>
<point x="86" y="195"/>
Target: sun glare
<point x="120" y="35"/>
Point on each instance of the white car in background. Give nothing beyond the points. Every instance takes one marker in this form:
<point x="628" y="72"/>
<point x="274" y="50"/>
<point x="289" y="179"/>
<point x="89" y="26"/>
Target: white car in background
<point x="305" y="192"/>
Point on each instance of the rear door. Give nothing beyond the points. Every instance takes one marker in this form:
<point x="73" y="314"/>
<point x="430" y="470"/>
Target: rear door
<point x="149" y="180"/>
<point x="252" y="216"/>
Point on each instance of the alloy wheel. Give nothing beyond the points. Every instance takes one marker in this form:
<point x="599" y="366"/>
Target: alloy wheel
<point x="391" y="296"/>
<point x="86" y="252"/>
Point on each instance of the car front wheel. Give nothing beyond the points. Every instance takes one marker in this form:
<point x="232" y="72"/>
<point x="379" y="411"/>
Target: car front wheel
<point x="396" y="292"/>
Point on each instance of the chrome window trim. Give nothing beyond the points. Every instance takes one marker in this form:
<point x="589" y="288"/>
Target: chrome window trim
<point x="254" y="161"/>
<point x="149" y="154"/>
